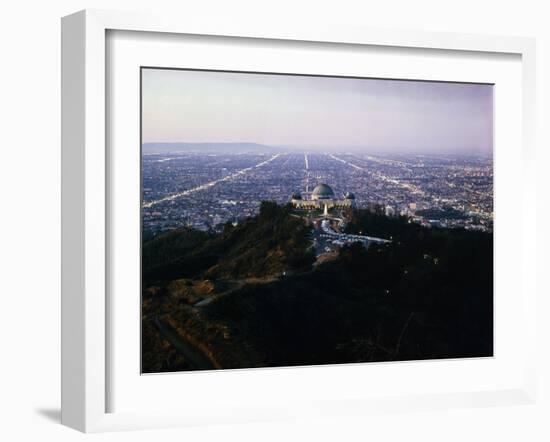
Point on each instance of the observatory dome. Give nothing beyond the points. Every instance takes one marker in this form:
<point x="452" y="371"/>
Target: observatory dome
<point x="322" y="192"/>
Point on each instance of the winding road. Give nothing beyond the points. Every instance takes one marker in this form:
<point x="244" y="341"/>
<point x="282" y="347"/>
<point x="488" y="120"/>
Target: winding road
<point x="193" y="356"/>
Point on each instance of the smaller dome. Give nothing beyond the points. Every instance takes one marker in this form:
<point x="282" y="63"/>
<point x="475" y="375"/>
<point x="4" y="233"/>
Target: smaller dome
<point x="296" y="196"/>
<point x="349" y="196"/>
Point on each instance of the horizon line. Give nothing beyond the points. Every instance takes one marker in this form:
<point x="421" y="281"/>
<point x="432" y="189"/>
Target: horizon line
<point x="472" y="151"/>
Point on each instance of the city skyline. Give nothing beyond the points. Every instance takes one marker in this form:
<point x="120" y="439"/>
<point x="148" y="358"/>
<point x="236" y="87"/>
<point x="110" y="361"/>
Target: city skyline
<point x="318" y="113"/>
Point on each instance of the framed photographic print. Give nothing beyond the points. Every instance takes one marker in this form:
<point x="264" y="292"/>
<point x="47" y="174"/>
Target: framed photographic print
<point x="353" y="224"/>
<point x="281" y="223"/>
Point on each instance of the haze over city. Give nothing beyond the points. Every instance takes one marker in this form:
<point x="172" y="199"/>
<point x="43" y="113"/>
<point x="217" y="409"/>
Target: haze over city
<point x="321" y="113"/>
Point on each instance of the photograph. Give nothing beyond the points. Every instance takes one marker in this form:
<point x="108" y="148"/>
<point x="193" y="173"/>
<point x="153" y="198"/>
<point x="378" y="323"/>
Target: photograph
<point x="301" y="220"/>
<point x="275" y="221"/>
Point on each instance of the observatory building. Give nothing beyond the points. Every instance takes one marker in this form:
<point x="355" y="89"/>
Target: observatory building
<point x="323" y="198"/>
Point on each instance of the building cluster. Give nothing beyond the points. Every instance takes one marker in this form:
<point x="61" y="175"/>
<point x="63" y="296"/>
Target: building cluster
<point x="322" y="198"/>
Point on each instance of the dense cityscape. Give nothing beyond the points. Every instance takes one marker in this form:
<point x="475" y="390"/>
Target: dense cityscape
<point x="207" y="190"/>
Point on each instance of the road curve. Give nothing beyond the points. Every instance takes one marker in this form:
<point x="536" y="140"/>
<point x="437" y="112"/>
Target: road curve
<point x="194" y="357"/>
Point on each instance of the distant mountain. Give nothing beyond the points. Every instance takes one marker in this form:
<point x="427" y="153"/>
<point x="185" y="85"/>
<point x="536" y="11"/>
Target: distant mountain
<point x="239" y="147"/>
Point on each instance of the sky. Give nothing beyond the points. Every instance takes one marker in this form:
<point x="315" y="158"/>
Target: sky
<point x="397" y="116"/>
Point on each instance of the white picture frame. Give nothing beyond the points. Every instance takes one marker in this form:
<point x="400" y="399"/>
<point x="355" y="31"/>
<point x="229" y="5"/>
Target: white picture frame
<point x="85" y="198"/>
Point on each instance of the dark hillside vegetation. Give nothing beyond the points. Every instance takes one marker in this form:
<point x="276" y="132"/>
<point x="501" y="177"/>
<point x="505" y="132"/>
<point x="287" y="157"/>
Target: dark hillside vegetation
<point x="269" y="244"/>
<point x="428" y="294"/>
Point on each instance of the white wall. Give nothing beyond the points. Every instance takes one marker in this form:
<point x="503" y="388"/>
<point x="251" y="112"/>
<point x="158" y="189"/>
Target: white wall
<point x="30" y="221"/>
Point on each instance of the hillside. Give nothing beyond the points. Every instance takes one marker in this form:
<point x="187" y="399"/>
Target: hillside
<point x="249" y="296"/>
<point x="269" y="244"/>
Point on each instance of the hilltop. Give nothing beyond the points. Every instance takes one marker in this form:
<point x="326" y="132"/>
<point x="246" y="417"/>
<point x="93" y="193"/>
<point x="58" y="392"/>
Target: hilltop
<point x="266" y="245"/>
